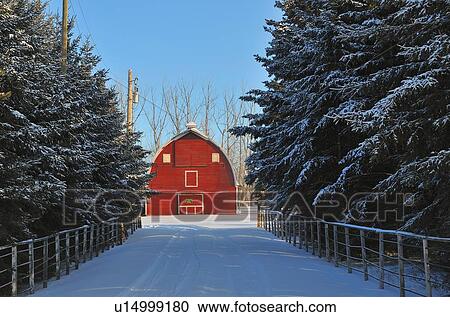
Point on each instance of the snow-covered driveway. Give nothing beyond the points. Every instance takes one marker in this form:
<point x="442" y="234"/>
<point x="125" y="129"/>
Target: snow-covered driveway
<point x="191" y="260"/>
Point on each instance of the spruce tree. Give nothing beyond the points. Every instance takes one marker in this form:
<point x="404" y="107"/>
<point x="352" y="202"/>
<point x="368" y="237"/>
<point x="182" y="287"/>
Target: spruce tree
<point x="396" y="96"/>
<point x="357" y="104"/>
<point x="63" y="148"/>
<point x="29" y="166"/>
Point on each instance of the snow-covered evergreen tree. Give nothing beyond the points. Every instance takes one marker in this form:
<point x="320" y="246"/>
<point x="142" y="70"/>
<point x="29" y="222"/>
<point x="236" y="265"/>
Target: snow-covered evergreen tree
<point x="4" y="94"/>
<point x="62" y="142"/>
<point x="396" y="92"/>
<point x="293" y="150"/>
<point x="28" y="164"/>
<point x="357" y="103"/>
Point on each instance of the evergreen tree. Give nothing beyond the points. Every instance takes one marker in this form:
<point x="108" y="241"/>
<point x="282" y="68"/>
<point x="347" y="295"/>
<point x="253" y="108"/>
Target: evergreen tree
<point x="63" y="147"/>
<point x="28" y="164"/>
<point x="396" y="92"/>
<point x="294" y="150"/>
<point x="3" y="83"/>
<point x="357" y="103"/>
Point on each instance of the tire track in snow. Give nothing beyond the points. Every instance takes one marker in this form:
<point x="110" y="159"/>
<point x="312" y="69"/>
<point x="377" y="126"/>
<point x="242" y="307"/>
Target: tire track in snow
<point x="144" y="283"/>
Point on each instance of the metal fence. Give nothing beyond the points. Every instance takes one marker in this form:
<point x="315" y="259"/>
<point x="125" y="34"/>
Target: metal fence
<point x="26" y="265"/>
<point x="417" y="265"/>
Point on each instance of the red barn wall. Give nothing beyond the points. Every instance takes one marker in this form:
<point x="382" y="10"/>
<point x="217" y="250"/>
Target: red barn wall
<point x="215" y="180"/>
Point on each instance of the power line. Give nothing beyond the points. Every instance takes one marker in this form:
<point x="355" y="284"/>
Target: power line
<point x="140" y="96"/>
<point x="71" y="7"/>
<point x="84" y="17"/>
<point x="111" y="77"/>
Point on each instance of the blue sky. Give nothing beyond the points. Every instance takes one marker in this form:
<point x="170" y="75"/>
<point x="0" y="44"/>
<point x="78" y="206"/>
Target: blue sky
<point x="166" y="41"/>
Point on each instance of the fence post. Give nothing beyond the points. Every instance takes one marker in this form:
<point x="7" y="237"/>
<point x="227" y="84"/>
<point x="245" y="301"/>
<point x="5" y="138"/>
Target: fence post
<point x="113" y="234"/>
<point x="45" y="264"/>
<point x="258" y="217"/>
<point x="327" y="243"/>
<point x="306" y="236"/>
<point x="102" y="237"/>
<point x="274" y="225"/>
<point x="347" y="250"/>
<point x="57" y="257"/>
<point x="401" y="265"/>
<point x="67" y="253"/>
<point x="31" y="265"/>
<point x="272" y="222"/>
<point x="291" y="229"/>
<point x="270" y="219"/>
<point x="335" y="245"/>
<point x="118" y="240"/>
<point x="77" y="250"/>
<point x="280" y="227"/>
<point x="91" y="242"/>
<point x="285" y="230"/>
<point x="299" y="223"/>
<point x="381" y="258"/>
<point x="287" y="225"/>
<point x="277" y="225"/>
<point x="426" y="264"/>
<point x="84" y="244"/>
<point x="107" y="236"/>
<point x="265" y="219"/>
<point x="97" y="241"/>
<point x="14" y="270"/>
<point x="364" y="254"/>
<point x="319" y="242"/>
<point x="294" y="232"/>
<point x="312" y="237"/>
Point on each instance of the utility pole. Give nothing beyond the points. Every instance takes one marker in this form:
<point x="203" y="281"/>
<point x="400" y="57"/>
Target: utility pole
<point x="130" y="102"/>
<point x="65" y="36"/>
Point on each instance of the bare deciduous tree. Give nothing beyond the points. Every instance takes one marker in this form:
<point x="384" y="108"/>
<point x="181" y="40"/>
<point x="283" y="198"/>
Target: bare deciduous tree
<point x="190" y="110"/>
<point x="209" y="103"/>
<point x="173" y="107"/>
<point x="157" y="122"/>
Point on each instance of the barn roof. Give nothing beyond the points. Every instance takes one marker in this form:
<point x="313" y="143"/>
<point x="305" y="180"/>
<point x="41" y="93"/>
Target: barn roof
<point x="192" y="129"/>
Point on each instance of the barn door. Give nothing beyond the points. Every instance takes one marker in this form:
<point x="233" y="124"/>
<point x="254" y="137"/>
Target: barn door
<point x="191" y="204"/>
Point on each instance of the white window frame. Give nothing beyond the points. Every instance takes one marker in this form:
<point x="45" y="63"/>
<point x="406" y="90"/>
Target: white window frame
<point x="167" y="158"/>
<point x="215" y="157"/>
<point x="185" y="179"/>
<point x="198" y="209"/>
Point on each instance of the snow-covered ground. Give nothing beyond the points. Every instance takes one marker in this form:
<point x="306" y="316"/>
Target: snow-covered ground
<point x="209" y="258"/>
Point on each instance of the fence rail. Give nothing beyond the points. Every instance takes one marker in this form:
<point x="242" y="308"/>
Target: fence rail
<point x="415" y="264"/>
<point x="35" y="262"/>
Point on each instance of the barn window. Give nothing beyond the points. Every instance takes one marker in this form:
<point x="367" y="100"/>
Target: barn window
<point x="215" y="157"/>
<point x="191" y="178"/>
<point x="166" y="158"/>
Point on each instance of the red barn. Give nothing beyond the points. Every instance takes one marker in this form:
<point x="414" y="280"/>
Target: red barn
<point x="193" y="176"/>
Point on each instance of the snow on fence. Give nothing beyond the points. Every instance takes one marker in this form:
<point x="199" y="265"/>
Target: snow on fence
<point x="414" y="264"/>
<point x="26" y="264"/>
